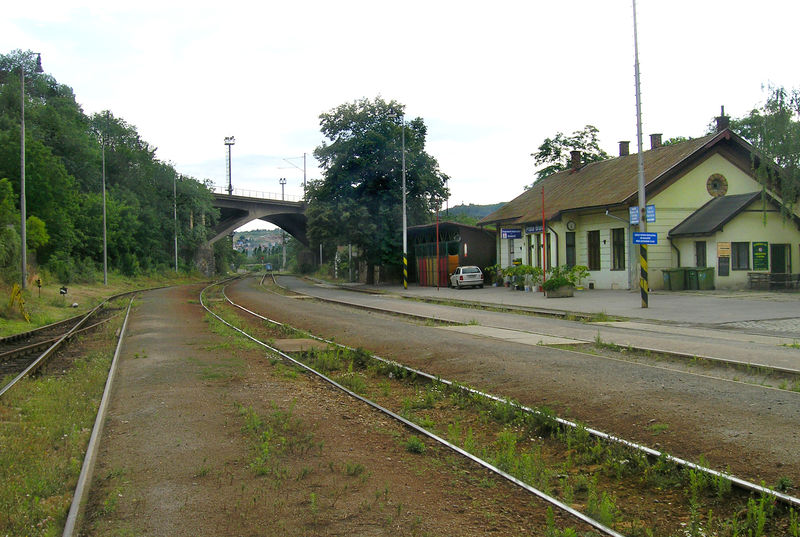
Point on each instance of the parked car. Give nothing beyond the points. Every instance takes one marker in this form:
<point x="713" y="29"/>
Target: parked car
<point x="466" y="276"/>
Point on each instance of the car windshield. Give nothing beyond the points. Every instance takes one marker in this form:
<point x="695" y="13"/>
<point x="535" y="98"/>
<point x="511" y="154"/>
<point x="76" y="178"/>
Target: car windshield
<point x="470" y="270"/>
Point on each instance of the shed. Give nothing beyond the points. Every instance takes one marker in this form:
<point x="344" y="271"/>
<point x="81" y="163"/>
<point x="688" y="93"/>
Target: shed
<point x="458" y="244"/>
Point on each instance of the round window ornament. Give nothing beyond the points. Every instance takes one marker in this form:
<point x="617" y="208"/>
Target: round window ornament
<point x="717" y="185"/>
<point x="571" y="225"/>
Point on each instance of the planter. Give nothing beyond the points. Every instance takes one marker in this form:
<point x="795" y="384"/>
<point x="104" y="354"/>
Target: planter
<point x="564" y="291"/>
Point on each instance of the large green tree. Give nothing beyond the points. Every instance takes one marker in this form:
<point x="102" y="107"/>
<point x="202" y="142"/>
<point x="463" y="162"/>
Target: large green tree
<point x="359" y="199"/>
<point x="554" y="153"/>
<point x="774" y="130"/>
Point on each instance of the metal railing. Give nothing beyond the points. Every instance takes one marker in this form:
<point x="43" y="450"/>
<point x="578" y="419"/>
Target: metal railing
<point x="220" y="189"/>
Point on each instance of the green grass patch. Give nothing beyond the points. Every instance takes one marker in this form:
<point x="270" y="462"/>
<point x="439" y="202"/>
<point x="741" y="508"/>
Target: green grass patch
<point x="45" y="424"/>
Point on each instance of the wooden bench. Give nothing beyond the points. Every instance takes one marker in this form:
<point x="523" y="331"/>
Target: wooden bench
<point x="768" y="280"/>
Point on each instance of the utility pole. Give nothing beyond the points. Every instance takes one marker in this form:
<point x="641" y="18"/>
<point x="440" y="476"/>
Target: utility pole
<point x="105" y="242"/>
<point x="642" y="201"/>
<point x="22" y="208"/>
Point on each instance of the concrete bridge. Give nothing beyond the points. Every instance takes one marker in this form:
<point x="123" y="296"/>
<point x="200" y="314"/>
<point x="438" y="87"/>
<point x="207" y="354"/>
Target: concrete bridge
<point x="243" y="206"/>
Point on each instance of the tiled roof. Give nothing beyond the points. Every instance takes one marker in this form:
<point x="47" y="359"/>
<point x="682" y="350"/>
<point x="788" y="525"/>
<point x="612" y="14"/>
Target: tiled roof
<point x="598" y="184"/>
<point x="710" y="218"/>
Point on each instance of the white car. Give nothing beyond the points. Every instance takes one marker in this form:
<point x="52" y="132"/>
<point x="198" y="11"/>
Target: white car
<point x="466" y="276"/>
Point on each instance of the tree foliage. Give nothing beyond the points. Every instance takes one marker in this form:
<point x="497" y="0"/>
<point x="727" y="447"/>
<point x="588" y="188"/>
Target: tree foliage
<point x="359" y="199"/>
<point x="774" y="130"/>
<point x="554" y="153"/>
<point x="63" y="156"/>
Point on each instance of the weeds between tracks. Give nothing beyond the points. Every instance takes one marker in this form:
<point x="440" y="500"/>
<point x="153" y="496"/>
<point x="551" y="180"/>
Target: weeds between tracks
<point x="616" y="485"/>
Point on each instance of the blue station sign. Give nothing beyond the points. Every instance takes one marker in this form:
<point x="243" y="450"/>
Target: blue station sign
<point x="510" y="233"/>
<point x="645" y="238"/>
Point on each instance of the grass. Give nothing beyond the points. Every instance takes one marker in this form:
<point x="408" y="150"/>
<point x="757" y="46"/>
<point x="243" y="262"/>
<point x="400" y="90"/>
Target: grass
<point x="45" y="425"/>
<point x="51" y="306"/>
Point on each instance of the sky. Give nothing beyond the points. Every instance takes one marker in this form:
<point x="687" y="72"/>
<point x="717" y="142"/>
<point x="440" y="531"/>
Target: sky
<point x="490" y="80"/>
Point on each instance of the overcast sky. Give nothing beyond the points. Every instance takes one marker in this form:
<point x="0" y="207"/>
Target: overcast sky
<point x="491" y="80"/>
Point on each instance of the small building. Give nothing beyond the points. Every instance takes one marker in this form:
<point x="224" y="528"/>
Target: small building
<point x="706" y="208"/>
<point x="458" y="244"/>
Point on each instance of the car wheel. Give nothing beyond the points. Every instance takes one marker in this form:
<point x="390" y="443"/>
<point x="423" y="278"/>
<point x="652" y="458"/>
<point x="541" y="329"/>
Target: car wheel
<point x="480" y="286"/>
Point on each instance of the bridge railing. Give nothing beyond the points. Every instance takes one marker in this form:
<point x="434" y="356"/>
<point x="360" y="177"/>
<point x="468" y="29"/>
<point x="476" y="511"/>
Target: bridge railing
<point x="219" y="189"/>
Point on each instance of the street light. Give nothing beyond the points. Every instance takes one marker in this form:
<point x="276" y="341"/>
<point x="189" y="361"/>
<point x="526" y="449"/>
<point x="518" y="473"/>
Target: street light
<point x="405" y="230"/>
<point x="105" y="244"/>
<point x="229" y="141"/>
<point x="22" y="209"/>
<point x="282" y="181"/>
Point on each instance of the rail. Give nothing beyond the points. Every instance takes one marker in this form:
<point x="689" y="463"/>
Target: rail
<point x="219" y="189"/>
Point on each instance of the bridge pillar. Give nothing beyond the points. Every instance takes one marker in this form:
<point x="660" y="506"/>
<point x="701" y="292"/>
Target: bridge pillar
<point x="204" y="259"/>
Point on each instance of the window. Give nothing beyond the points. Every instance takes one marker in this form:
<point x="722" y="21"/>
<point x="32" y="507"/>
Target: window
<point x="699" y="253"/>
<point x="593" y="238"/>
<point x="571" y="249"/>
<point x="740" y="256"/>
<point x="618" y="248"/>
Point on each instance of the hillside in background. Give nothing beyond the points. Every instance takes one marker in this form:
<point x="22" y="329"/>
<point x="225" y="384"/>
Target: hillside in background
<point x="474" y="211"/>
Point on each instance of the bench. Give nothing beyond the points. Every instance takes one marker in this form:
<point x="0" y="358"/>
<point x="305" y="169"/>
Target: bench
<point x="768" y="280"/>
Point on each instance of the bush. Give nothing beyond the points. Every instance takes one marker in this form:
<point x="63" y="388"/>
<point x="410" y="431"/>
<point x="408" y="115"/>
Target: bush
<point x="555" y="282"/>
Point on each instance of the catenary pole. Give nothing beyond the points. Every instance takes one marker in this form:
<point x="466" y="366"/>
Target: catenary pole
<point x="640" y="168"/>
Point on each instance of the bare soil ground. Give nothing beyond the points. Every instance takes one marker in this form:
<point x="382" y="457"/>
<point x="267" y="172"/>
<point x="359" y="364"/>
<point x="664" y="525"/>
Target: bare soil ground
<point x="751" y="430"/>
<point x="176" y="460"/>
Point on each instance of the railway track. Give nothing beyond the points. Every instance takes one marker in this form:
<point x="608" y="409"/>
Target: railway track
<point x="26" y="353"/>
<point x="746" y="487"/>
<point x="603" y="529"/>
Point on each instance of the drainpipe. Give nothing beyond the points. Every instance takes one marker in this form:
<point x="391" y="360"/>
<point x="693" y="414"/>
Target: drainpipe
<point x="677" y="252"/>
<point x="556" y="254"/>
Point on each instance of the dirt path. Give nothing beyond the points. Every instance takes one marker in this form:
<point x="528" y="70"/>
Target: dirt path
<point x="176" y="461"/>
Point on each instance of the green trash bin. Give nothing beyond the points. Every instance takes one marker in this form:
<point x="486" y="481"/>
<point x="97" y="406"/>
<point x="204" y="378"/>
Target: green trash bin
<point x="675" y="278"/>
<point x="705" y="278"/>
<point x="691" y="279"/>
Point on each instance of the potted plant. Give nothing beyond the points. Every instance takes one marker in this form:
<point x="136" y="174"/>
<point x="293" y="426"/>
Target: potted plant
<point x="577" y="274"/>
<point x="490" y="274"/>
<point x="560" y="283"/>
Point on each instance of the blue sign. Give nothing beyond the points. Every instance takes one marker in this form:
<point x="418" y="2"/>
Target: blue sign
<point x="633" y="214"/>
<point x="510" y="233"/>
<point x="536" y="228"/>
<point x="645" y="238"/>
<point x="650" y="214"/>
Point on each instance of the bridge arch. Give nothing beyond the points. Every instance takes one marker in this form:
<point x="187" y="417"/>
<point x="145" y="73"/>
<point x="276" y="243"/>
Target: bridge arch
<point x="237" y="210"/>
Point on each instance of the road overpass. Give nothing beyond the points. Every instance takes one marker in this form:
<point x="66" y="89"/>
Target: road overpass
<point x="243" y="206"/>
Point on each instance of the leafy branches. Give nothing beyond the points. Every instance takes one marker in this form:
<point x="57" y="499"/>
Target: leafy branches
<point x="554" y="152"/>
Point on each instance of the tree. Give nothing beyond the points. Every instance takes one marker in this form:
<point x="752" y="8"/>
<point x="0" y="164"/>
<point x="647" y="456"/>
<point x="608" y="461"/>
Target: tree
<point x="774" y="130"/>
<point x="359" y="199"/>
<point x="554" y="152"/>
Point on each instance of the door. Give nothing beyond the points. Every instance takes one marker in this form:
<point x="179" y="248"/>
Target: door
<point x="780" y="265"/>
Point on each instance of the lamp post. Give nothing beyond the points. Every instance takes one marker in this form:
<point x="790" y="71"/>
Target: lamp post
<point x="105" y="244"/>
<point x="22" y="209"/>
<point x="229" y="141"/>
<point x="175" y="215"/>
<point x="282" y="181"/>
<point x="405" y="226"/>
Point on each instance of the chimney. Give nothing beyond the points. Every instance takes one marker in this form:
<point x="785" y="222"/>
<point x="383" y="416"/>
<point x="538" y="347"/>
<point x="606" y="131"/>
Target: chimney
<point x="624" y="148"/>
<point x="576" y="160"/>
<point x="723" y="121"/>
<point x="655" y="141"/>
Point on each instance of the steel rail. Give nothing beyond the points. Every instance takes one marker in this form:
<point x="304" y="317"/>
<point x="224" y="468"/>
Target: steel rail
<point x="547" y="498"/>
<point x="32" y="333"/>
<point x="4" y="356"/>
<point x="85" y="477"/>
<point x="739" y="482"/>
<point x="45" y="356"/>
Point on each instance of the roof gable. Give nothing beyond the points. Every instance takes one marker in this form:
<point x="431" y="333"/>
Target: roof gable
<point x="710" y="218"/>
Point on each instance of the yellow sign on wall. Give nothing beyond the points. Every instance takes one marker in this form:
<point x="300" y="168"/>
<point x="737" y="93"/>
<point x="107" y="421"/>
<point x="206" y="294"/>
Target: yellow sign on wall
<point x="723" y="249"/>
